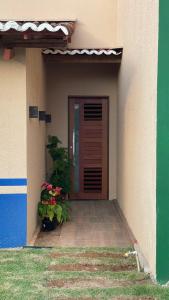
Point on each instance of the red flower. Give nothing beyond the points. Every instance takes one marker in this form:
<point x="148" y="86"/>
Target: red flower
<point x="52" y="201"/>
<point x="58" y="189"/>
<point x="49" y="187"/>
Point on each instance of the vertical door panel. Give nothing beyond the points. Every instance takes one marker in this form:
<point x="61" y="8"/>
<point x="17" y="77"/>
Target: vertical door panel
<point x="88" y="144"/>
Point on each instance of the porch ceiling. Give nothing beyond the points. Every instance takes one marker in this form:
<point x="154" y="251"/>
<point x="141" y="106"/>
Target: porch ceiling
<point x="37" y="34"/>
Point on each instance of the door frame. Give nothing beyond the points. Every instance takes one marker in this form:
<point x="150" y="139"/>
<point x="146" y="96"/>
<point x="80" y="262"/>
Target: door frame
<point x="108" y="133"/>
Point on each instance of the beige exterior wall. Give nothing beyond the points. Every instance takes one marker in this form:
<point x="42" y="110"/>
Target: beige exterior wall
<point x="138" y="34"/>
<point x="36" y="136"/>
<point x="86" y="80"/>
<point x="96" y="19"/>
<point x="13" y="117"/>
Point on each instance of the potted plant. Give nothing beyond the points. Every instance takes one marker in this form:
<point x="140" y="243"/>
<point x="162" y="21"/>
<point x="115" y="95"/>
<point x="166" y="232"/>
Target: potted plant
<point x="52" y="209"/>
<point x="61" y="165"/>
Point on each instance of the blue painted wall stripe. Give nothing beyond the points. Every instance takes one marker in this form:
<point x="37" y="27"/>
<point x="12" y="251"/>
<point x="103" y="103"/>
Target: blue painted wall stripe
<point x="13" y="220"/>
<point x="13" y="181"/>
<point x="19" y="196"/>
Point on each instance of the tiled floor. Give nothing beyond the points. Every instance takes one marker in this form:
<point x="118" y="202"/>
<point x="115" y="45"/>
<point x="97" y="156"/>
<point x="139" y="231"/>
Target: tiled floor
<point x="93" y="224"/>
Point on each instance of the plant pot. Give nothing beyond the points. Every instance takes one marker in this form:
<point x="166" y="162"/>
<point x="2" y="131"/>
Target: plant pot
<point x="48" y="225"/>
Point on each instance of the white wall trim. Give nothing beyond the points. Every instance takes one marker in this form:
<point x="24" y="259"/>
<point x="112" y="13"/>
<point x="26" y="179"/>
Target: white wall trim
<point x="34" y="26"/>
<point x="13" y="190"/>
<point x="83" y="51"/>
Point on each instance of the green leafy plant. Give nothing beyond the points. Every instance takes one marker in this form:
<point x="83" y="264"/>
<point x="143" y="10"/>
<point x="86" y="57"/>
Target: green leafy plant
<point x="61" y="164"/>
<point x="65" y="214"/>
<point x="50" y="211"/>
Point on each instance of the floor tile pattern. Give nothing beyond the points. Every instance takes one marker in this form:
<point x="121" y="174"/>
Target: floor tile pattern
<point x="92" y="224"/>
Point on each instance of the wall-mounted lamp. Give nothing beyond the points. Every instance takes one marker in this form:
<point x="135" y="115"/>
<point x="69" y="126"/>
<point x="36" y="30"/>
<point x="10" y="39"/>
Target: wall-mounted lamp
<point x="42" y="115"/>
<point x="33" y="112"/>
<point x="48" y="118"/>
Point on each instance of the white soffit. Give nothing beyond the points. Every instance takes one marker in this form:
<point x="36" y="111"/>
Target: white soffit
<point x="83" y="51"/>
<point x="37" y="26"/>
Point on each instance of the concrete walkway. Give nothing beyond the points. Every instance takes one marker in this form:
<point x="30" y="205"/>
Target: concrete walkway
<point x="93" y="224"/>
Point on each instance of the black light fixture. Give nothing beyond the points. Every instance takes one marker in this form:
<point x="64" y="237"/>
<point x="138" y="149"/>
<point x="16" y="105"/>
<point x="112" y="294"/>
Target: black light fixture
<point x="33" y="112"/>
<point x="48" y="118"/>
<point x="42" y="115"/>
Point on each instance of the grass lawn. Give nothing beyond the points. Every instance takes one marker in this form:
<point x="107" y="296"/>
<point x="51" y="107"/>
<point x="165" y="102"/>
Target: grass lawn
<point x="74" y="273"/>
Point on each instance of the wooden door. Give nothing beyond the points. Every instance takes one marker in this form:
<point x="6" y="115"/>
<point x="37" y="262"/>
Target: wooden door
<point x="88" y="147"/>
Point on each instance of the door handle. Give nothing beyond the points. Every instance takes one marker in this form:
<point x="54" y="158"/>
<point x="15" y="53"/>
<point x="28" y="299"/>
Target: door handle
<point x="73" y="147"/>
